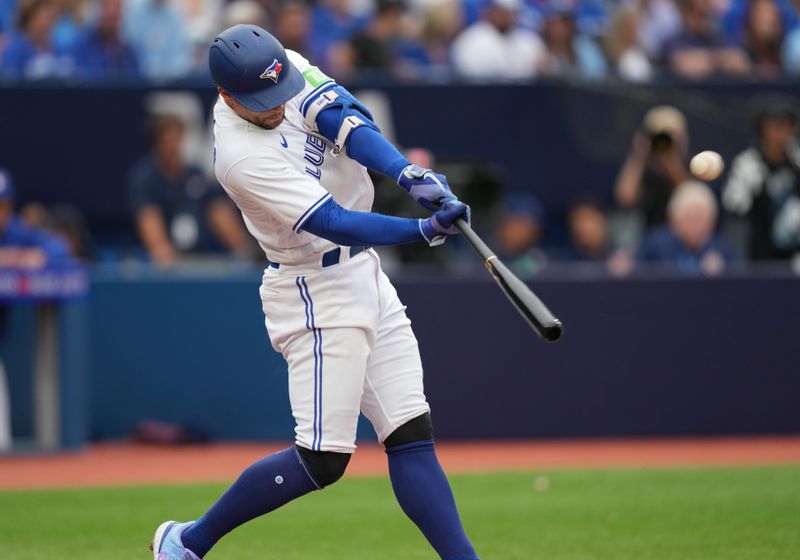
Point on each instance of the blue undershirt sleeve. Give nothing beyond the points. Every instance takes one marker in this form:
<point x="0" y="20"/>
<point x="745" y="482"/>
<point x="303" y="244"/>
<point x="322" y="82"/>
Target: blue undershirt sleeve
<point x="365" y="145"/>
<point x="346" y="227"/>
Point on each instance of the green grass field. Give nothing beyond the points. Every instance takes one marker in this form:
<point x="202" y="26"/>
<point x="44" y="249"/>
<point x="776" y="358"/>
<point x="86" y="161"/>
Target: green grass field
<point x="681" y="514"/>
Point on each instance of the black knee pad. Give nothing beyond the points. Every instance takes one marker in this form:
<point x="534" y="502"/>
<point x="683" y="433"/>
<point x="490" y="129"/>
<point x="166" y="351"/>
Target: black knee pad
<point x="325" y="466"/>
<point x="417" y="429"/>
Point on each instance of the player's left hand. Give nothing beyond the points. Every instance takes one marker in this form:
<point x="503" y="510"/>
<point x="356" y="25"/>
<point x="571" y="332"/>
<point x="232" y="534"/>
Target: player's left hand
<point x="428" y="188"/>
<point x="441" y="224"/>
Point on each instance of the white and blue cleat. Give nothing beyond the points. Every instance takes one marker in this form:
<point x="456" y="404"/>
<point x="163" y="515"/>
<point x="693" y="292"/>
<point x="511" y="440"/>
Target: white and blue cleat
<point x="167" y="543"/>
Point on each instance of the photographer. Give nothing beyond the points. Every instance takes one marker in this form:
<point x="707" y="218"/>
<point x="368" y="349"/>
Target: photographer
<point x="655" y="165"/>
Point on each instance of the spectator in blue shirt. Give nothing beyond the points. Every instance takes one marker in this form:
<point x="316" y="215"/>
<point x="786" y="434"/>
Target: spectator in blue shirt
<point x="101" y="52"/>
<point x="568" y="51"/>
<point x="6" y="15"/>
<point x="689" y="243"/>
<point x="29" y="53"/>
<point x="157" y="32"/>
<point x="332" y="22"/>
<point x="22" y="246"/>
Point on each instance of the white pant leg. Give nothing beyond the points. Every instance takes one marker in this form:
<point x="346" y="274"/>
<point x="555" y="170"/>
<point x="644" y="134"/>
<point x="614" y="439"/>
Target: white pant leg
<point x="325" y="386"/>
<point x="324" y="324"/>
<point x="393" y="387"/>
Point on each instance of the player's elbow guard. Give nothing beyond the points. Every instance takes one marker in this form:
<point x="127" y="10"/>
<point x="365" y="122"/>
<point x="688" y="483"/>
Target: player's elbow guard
<point x="351" y="115"/>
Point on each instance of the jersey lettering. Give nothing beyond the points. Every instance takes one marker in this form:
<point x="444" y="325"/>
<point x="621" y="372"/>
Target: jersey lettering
<point x="315" y="155"/>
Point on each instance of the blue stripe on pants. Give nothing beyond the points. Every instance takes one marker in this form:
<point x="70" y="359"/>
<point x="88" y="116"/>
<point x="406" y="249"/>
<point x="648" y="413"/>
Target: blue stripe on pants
<point x="305" y="295"/>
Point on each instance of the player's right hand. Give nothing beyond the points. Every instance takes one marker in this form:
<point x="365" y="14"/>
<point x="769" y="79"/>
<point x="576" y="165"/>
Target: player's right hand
<point x="428" y="188"/>
<point x="440" y="225"/>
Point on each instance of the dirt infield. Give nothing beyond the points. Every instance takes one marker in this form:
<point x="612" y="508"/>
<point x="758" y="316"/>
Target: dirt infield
<point x="127" y="464"/>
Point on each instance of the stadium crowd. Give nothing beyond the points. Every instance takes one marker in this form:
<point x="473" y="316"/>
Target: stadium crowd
<point x="410" y="40"/>
<point x="659" y="214"/>
<point x="660" y="217"/>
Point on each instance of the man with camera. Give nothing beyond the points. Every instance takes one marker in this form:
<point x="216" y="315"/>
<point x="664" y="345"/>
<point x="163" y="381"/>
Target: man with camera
<point x="655" y="165"/>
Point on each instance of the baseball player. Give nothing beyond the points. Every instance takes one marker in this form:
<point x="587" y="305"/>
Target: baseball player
<point x="292" y="150"/>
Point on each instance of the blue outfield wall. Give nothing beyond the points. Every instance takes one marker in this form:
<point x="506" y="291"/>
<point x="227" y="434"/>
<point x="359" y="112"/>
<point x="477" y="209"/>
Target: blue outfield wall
<point x="640" y="357"/>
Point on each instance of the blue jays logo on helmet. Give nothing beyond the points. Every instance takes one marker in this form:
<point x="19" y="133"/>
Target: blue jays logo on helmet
<point x="273" y="71"/>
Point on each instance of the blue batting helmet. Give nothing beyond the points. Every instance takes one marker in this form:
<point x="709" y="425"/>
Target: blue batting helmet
<point x="252" y="66"/>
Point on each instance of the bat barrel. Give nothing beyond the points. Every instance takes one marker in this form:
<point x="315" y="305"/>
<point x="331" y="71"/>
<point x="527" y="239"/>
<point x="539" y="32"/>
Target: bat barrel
<point x="524" y="300"/>
<point x="553" y="331"/>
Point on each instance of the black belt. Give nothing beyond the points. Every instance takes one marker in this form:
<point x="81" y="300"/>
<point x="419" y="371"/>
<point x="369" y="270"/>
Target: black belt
<point x="332" y="257"/>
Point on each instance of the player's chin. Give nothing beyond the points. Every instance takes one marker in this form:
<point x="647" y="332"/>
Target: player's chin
<point x="270" y="122"/>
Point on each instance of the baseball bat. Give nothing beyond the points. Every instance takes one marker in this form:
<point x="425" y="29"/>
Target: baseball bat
<point x="543" y="322"/>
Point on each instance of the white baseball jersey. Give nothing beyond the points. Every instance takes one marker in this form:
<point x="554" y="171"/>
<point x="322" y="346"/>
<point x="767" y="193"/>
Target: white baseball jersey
<point x="341" y="328"/>
<point x="279" y="177"/>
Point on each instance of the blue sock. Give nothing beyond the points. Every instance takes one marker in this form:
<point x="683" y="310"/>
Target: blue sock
<point x="423" y="492"/>
<point x="264" y="486"/>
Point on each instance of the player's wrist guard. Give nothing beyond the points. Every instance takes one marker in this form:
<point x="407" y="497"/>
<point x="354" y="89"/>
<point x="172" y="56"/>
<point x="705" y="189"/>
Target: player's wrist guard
<point x="430" y="233"/>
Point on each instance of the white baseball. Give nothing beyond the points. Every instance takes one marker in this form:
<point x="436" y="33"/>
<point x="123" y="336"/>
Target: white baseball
<point x="707" y="165"/>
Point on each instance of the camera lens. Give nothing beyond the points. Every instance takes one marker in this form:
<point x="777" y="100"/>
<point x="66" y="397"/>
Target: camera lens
<point x="660" y="142"/>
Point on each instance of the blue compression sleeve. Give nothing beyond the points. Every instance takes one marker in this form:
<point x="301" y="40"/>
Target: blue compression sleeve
<point x="346" y="227"/>
<point x="365" y="145"/>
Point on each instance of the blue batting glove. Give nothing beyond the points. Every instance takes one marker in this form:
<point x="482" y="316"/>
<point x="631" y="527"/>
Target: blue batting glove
<point x="440" y="226"/>
<point x="426" y="187"/>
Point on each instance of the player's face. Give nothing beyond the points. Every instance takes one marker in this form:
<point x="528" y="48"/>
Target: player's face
<point x="264" y="119"/>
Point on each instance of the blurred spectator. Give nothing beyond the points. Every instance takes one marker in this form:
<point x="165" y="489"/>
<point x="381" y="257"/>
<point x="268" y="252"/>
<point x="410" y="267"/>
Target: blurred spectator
<point x="655" y="165"/>
<point x="22" y="246"/>
<point x="588" y="231"/>
<point x="689" y="243"/>
<point x="569" y="53"/>
<point x="497" y="48"/>
<point x="101" y="51"/>
<point x="763" y="187"/>
<point x="245" y="11"/>
<point x="202" y="20"/>
<point x="30" y="53"/>
<point x="659" y="20"/>
<point x="519" y="232"/>
<point x="176" y="208"/>
<point x="157" y="33"/>
<point x="292" y="26"/>
<point x="763" y="38"/>
<point x="732" y="21"/>
<point x="622" y="45"/>
<point x="70" y="24"/>
<point x="441" y="24"/>
<point x="64" y="221"/>
<point x="791" y="51"/>
<point x="699" y="50"/>
<point x="374" y="48"/>
<point x="332" y="22"/>
<point x="6" y="16"/>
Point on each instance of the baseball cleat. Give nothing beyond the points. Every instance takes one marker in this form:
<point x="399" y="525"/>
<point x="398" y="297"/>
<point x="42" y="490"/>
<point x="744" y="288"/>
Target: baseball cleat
<point x="167" y="543"/>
